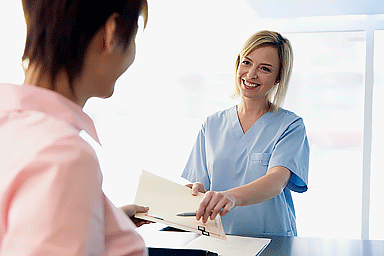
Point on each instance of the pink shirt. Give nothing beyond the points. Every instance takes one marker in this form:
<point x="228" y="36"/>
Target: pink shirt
<point x="51" y="201"/>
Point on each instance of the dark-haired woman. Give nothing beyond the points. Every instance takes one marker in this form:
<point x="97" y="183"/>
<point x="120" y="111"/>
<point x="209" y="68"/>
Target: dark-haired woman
<point x="51" y="201"/>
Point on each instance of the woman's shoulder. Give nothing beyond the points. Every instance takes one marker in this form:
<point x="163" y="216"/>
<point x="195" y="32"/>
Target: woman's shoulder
<point x="286" y="119"/>
<point x="63" y="138"/>
<point x="221" y="115"/>
<point x="43" y="138"/>
<point x="287" y="115"/>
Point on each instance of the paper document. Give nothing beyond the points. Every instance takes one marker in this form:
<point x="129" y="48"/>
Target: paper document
<point x="165" y="199"/>
<point x="233" y="246"/>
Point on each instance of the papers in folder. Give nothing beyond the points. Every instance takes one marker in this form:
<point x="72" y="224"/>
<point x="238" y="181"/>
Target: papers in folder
<point x="165" y="199"/>
<point x="233" y="246"/>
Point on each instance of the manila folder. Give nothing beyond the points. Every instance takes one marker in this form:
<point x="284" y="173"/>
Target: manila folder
<point x="166" y="199"/>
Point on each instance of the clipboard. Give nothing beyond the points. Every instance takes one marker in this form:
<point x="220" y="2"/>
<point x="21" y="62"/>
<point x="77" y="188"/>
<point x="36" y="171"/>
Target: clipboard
<point x="166" y="198"/>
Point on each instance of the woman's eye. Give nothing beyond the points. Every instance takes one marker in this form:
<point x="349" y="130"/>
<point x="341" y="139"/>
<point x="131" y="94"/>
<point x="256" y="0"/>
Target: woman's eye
<point x="246" y="62"/>
<point x="265" y="69"/>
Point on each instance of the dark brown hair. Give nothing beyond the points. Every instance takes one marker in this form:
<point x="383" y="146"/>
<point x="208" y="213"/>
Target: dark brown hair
<point x="60" y="31"/>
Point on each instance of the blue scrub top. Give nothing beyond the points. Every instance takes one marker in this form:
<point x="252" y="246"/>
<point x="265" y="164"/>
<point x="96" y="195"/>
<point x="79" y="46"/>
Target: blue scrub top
<point x="223" y="157"/>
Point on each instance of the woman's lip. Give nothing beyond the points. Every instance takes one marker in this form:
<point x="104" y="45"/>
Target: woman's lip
<point x="250" y="85"/>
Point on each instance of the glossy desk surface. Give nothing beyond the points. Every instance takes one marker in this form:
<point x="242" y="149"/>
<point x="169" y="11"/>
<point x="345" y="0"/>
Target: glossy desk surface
<point x="287" y="246"/>
<point x="323" y="246"/>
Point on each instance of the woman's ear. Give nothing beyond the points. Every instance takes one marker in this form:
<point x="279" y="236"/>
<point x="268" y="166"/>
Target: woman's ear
<point x="110" y="40"/>
<point x="277" y="79"/>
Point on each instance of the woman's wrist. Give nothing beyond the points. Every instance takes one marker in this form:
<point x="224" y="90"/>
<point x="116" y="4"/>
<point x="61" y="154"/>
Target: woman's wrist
<point x="232" y="197"/>
<point x="235" y="196"/>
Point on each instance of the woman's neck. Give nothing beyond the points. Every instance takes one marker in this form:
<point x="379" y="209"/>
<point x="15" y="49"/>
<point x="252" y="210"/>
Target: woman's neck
<point x="249" y="112"/>
<point x="34" y="75"/>
<point x="252" y="108"/>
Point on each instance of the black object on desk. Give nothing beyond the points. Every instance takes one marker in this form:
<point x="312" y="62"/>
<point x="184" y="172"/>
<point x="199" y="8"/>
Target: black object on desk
<point x="153" y="251"/>
<point x="169" y="228"/>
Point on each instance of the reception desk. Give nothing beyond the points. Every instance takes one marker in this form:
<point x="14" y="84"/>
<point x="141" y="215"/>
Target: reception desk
<point x="323" y="247"/>
<point x="287" y="246"/>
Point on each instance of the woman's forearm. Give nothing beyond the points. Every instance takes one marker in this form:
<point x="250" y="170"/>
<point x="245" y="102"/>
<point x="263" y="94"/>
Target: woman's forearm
<point x="258" y="191"/>
<point x="262" y="189"/>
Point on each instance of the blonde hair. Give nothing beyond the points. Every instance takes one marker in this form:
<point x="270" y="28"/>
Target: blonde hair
<point x="276" y="95"/>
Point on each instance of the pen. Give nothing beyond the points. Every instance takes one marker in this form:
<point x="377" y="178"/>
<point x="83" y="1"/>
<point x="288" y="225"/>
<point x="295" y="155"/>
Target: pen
<point x="186" y="214"/>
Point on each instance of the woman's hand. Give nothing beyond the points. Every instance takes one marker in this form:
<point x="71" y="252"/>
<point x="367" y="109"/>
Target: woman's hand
<point x="196" y="187"/>
<point x="215" y="203"/>
<point x="132" y="209"/>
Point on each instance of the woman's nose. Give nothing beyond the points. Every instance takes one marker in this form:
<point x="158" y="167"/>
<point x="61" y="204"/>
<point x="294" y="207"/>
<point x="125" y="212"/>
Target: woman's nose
<point x="252" y="73"/>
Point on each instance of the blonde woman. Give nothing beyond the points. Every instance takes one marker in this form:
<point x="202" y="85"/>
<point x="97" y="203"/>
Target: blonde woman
<point x="247" y="159"/>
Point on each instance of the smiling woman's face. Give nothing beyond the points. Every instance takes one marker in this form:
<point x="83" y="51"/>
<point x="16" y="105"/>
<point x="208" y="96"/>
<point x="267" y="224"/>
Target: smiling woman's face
<point x="258" y="72"/>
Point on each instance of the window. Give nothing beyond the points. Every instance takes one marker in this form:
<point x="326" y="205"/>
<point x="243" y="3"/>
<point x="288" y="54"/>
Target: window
<point x="327" y="90"/>
<point x="377" y="209"/>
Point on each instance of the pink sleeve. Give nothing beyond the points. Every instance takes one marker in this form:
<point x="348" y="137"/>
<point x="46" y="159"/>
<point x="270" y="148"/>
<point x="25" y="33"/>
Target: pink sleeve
<point x="51" y="201"/>
<point x="120" y="235"/>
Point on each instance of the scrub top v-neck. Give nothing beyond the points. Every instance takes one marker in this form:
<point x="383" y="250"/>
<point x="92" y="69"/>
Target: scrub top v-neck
<point x="225" y="157"/>
<point x="237" y="129"/>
